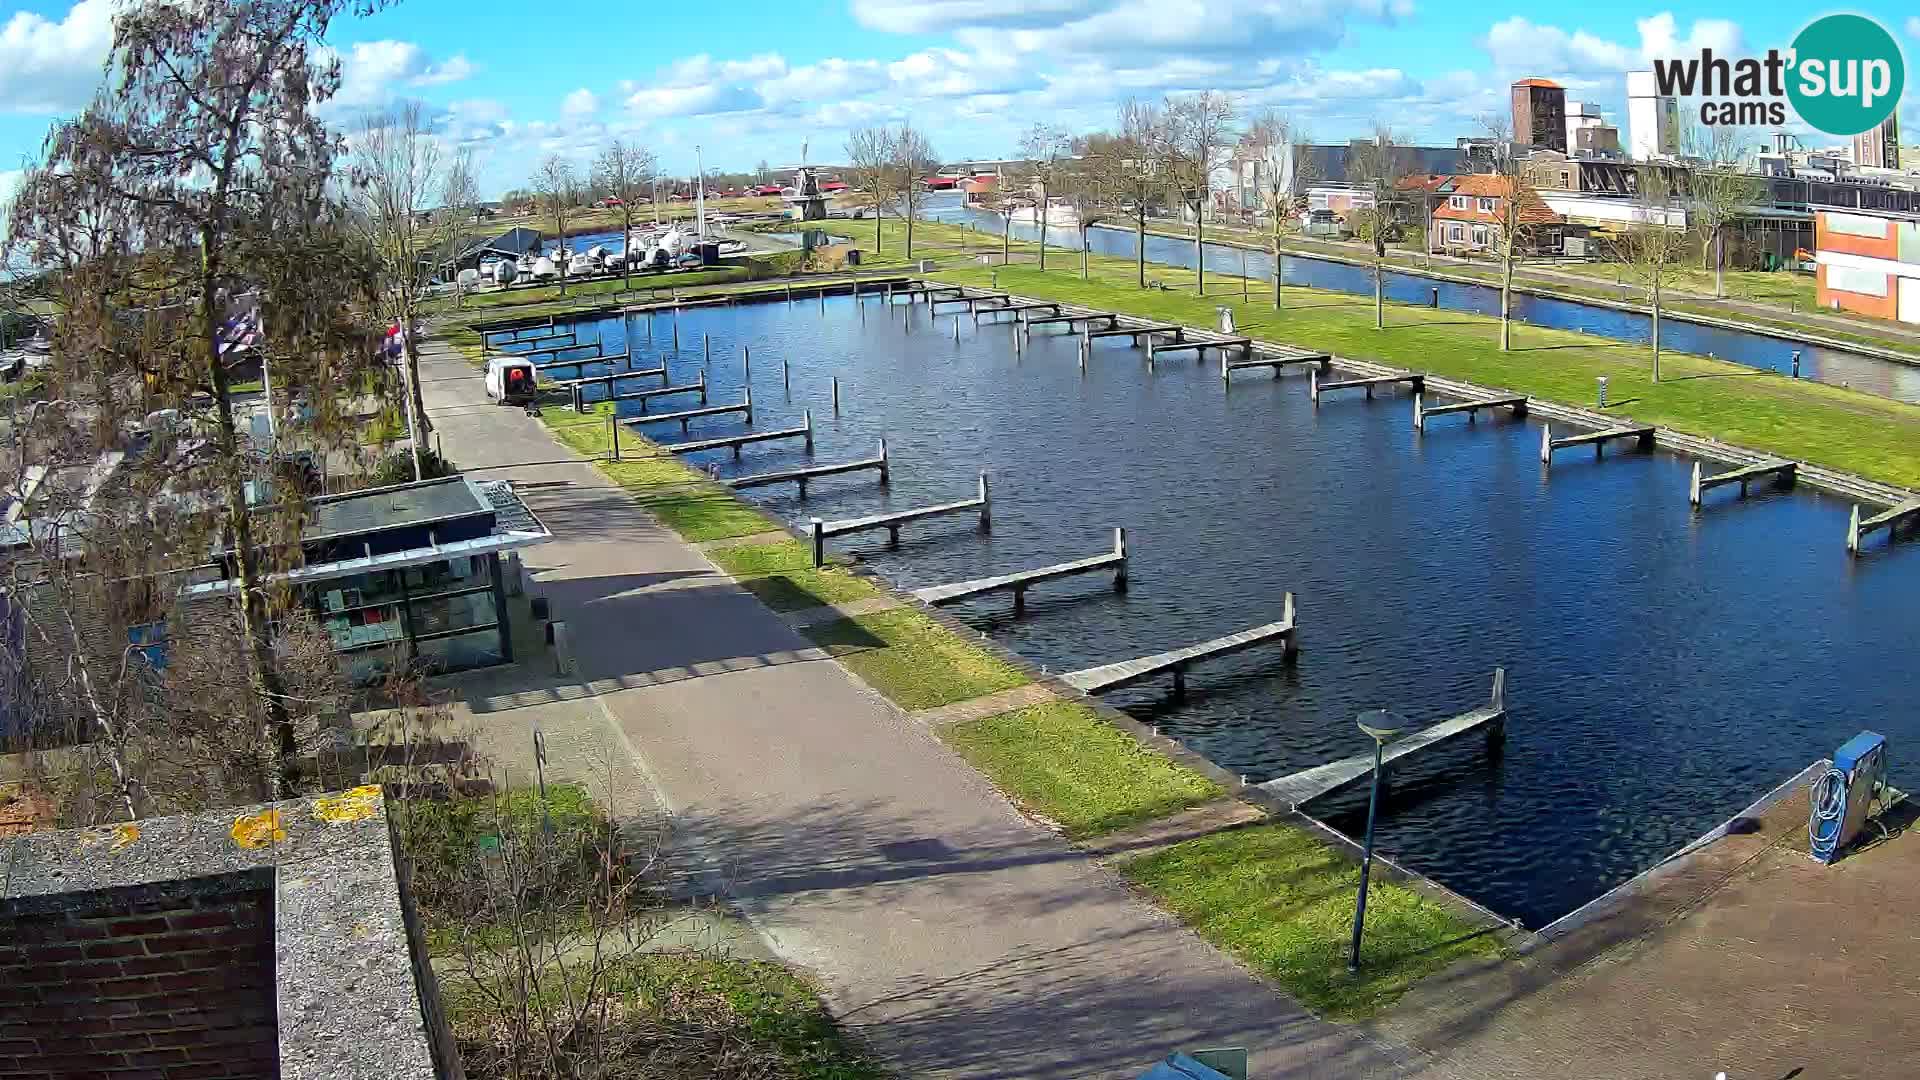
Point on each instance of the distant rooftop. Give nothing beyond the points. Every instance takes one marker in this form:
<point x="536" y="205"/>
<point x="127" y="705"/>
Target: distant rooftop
<point x="399" y="506"/>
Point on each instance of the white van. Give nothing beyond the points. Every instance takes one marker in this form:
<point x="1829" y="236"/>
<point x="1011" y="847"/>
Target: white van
<point x="510" y="380"/>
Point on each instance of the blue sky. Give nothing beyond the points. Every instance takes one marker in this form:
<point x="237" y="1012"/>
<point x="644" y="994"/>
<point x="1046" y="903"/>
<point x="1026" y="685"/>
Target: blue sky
<point x="752" y="81"/>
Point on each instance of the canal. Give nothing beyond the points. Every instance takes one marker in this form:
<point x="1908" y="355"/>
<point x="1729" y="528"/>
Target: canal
<point x="1665" y="667"/>
<point x="1837" y="366"/>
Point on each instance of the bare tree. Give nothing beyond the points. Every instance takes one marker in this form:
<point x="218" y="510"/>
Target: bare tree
<point x="459" y="202"/>
<point x="626" y="171"/>
<point x="205" y="140"/>
<point x="871" y="154"/>
<point x="1276" y="143"/>
<point x="396" y="171"/>
<point x="1196" y="138"/>
<point x="1134" y="169"/>
<point x="913" y="160"/>
<point x="1720" y="192"/>
<point x="1656" y="241"/>
<point x="560" y="190"/>
<point x="1048" y="151"/>
<point x="1519" y="214"/>
<point x="1091" y="191"/>
<point x="1378" y="164"/>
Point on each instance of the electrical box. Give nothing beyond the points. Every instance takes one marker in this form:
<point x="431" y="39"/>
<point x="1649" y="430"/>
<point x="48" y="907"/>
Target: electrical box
<point x="1841" y="797"/>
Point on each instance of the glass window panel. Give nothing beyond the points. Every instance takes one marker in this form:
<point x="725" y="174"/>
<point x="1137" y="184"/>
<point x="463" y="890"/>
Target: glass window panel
<point x="461" y="651"/>
<point x="440" y="614"/>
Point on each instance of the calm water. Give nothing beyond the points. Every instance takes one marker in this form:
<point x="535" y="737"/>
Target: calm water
<point x="1665" y="667"/>
<point x="1840" y="367"/>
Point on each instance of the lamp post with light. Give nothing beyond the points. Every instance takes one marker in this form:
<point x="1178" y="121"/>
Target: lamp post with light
<point x="1379" y="725"/>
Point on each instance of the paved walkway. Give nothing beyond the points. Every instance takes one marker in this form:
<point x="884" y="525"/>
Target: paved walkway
<point x="960" y="938"/>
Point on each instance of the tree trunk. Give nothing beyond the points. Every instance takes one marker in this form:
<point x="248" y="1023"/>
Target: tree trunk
<point x="876" y="224"/>
<point x="1653" y="293"/>
<point x="1719" y="263"/>
<point x="1506" y="305"/>
<point x="1006" y="238"/>
<point x="560" y="241"/>
<point x="1140" y="242"/>
<point x="909" y="228"/>
<point x="1379" y="300"/>
<point x="626" y="248"/>
<point x="277" y="749"/>
<point x="1199" y="249"/>
<point x="1279" y="272"/>
<point x="1086" y="256"/>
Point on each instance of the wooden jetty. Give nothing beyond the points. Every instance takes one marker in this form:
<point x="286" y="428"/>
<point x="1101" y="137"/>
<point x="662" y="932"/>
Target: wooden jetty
<point x="1275" y="361"/>
<point x="1516" y="402"/>
<point x="1109" y="676"/>
<point x="814" y="472"/>
<point x="576" y="388"/>
<point x="1783" y="473"/>
<point x="589" y="380"/>
<point x="1200" y="346"/>
<point x="1315" y="387"/>
<point x="515" y="326"/>
<point x="686" y="416"/>
<point x="892" y="521"/>
<point x="1858" y="527"/>
<point x="1598" y="439"/>
<point x="1019" y="583"/>
<point x="1297" y="789"/>
<point x="1018" y="310"/>
<point x="921" y="289"/>
<point x="1086" y="317"/>
<point x="735" y="442"/>
<point x="972" y="300"/>
<point x="501" y="346"/>
<point x="554" y="359"/>
<point x="1136" y="332"/>
<point x="698" y="386"/>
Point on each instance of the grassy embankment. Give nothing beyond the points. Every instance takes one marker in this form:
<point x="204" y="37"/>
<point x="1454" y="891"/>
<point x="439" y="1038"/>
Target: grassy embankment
<point x="1064" y="764"/>
<point x="1799" y="419"/>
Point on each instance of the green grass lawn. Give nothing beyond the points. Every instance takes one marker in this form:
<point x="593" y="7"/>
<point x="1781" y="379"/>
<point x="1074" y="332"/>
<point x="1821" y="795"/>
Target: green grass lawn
<point x="686" y="502"/>
<point x="913" y="660"/>
<point x="1803" y="420"/>
<point x="783" y="576"/>
<point x="1061" y="761"/>
<point x="1282" y="901"/>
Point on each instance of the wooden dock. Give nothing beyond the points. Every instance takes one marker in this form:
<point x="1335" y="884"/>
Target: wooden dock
<point x="576" y="388"/>
<point x="1099" y="316"/>
<point x="687" y="416"/>
<point x="1890" y="519"/>
<point x="1018" y="310"/>
<point x="972" y="300"/>
<point x="893" y="520"/>
<point x="1274" y="361"/>
<point x="735" y="442"/>
<point x="515" y="326"/>
<point x="1783" y="473"/>
<point x="1315" y="387"/>
<point x="555" y="360"/>
<point x="1136" y="332"/>
<point x="589" y="380"/>
<point x="814" y="472"/>
<point x="1200" y="346"/>
<point x="1109" y="676"/>
<point x="922" y="289"/>
<point x="501" y="346"/>
<point x="1516" y="402"/>
<point x="1019" y="583"/>
<point x="698" y="386"/>
<point x="1598" y="439"/>
<point x="1298" y="789"/>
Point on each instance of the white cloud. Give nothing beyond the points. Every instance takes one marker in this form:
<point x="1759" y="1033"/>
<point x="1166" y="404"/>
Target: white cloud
<point x="1913" y="26"/>
<point x="580" y="103"/>
<point x="935" y="16"/>
<point x="1519" y="45"/>
<point x="1147" y="30"/>
<point x="53" y="67"/>
<point x="665" y="101"/>
<point x="372" y="72"/>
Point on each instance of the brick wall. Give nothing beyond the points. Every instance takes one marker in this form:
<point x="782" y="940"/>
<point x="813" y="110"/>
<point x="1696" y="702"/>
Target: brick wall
<point x="147" y="984"/>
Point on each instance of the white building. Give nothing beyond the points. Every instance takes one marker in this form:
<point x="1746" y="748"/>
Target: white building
<point x="1653" y="121"/>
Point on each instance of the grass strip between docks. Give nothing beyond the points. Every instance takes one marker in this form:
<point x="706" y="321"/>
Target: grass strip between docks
<point x="1282" y="901"/>
<point x="783" y="576"/>
<point x="1060" y="761"/>
<point x="913" y="660"/>
<point x="686" y="502"/>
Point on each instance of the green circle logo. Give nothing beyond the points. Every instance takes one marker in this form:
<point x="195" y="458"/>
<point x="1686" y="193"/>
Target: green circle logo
<point x="1847" y="74"/>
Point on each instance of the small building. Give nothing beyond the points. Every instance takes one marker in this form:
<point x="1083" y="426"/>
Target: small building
<point x="1473" y="209"/>
<point x="410" y="572"/>
<point x="1868" y="263"/>
<point x="508" y="245"/>
<point x="1540" y="114"/>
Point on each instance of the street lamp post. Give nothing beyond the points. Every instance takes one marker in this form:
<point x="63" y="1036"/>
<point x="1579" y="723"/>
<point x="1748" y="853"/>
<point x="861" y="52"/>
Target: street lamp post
<point x="1380" y="725"/>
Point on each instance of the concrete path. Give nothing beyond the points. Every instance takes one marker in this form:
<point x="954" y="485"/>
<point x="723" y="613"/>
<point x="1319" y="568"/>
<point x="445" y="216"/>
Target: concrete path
<point x="959" y="938"/>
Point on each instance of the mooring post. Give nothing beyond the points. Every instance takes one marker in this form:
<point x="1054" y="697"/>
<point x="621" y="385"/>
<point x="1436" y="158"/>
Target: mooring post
<point x="1152" y="344"/>
<point x="748" y="390"/>
<point x="886" y="472"/>
<point x="802" y="481"/>
<point x="1313" y="385"/>
<point x="836" y="395"/>
<point x="1180" y="678"/>
<point x="1291" y="645"/>
<point x="613" y="428"/>
<point x="819" y="543"/>
<point x="676" y="330"/>
<point x="1019" y="601"/>
<point x="746" y="363"/>
<point x="1223" y="365"/>
<point x="808" y="415"/>
<point x="956" y="329"/>
<point x="703" y="386"/>
<point x="1497" y="731"/>
<point x="706" y="349"/>
<point x="1120" y="568"/>
<point x="986" y="504"/>
<point x="1853" y="531"/>
<point x="789" y="294"/>
<point x="786" y="373"/>
<point x="1546" y="444"/>
<point x="823" y="301"/>
<point x="1419" y="413"/>
<point x="1693" y="489"/>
